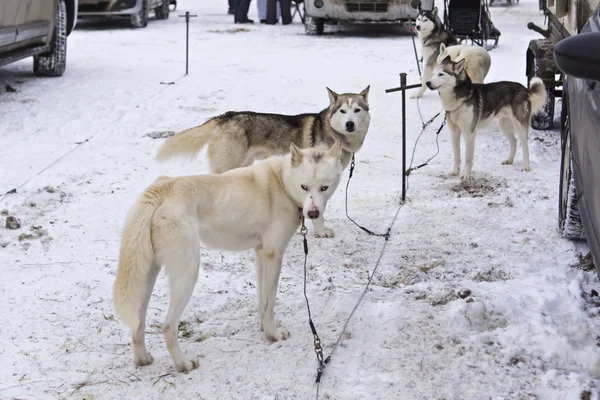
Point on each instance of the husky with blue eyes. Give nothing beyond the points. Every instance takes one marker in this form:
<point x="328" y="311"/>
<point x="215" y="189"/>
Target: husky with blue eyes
<point x="237" y="139"/>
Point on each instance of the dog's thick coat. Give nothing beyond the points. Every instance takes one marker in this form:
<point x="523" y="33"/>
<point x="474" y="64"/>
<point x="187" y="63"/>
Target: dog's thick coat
<point x="432" y="34"/>
<point x="472" y="107"/>
<point x="256" y="207"/>
<point x="477" y="59"/>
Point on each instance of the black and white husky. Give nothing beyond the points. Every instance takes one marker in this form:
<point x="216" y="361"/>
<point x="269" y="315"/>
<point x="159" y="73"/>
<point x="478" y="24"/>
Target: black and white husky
<point x="472" y="107"/>
<point x="432" y="34"/>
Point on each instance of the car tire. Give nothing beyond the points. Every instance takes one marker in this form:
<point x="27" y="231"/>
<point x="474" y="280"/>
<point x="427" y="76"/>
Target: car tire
<point x="162" y="11"/>
<point x="313" y="26"/>
<point x="54" y="63"/>
<point x="140" y="19"/>
<point x="569" y="219"/>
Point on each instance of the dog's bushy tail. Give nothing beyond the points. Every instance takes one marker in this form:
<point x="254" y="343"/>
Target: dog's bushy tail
<point x="537" y="94"/>
<point x="136" y="258"/>
<point x="187" y="143"/>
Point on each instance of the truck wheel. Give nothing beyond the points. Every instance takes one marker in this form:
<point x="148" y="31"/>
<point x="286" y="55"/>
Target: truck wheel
<point x="140" y="19"/>
<point x="54" y="63"/>
<point x="569" y="219"/>
<point x="313" y="26"/>
<point x="162" y="11"/>
<point x="544" y="119"/>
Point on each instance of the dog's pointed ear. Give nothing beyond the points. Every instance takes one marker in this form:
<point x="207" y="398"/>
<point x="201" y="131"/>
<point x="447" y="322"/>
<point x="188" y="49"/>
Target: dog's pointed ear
<point x="442" y="48"/>
<point x="332" y="96"/>
<point x="335" y="151"/>
<point x="420" y="8"/>
<point x="297" y="155"/>
<point x="434" y="12"/>
<point x="365" y="93"/>
<point x="446" y="60"/>
<point x="459" y="66"/>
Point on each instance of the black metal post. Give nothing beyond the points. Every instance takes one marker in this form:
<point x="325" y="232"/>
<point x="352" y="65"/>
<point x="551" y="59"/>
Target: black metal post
<point x="403" y="86"/>
<point x="187" y="39"/>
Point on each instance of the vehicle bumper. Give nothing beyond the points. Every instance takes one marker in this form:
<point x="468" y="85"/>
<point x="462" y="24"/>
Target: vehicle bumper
<point x="363" y="11"/>
<point x="99" y="8"/>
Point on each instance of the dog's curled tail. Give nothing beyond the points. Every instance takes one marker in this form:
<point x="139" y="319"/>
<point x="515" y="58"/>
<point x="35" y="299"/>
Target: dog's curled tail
<point x="187" y="143"/>
<point x="136" y="258"/>
<point x="537" y="94"/>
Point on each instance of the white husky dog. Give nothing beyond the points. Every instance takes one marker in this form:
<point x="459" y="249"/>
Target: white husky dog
<point x="258" y="207"/>
<point x="477" y="59"/>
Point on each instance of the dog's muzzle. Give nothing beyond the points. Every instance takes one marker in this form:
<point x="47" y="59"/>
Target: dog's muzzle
<point x="313" y="214"/>
<point x="418" y="27"/>
<point x="429" y="85"/>
<point x="350" y="126"/>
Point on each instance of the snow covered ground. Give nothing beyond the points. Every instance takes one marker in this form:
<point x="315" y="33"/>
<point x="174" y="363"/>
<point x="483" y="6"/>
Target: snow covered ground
<point x="77" y="150"/>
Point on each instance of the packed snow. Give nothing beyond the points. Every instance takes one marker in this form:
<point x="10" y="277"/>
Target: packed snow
<point x="475" y="296"/>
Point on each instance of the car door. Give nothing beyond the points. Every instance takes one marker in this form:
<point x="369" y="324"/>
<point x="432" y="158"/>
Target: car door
<point x="8" y="16"/>
<point x="35" y="21"/>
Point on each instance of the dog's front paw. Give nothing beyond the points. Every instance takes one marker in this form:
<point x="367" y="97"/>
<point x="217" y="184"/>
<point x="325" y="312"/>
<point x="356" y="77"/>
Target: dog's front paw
<point x="526" y="169"/>
<point x="187" y="365"/>
<point x="465" y="176"/>
<point x="417" y="95"/>
<point x="143" y="360"/>
<point x="507" y="162"/>
<point x="326" y="233"/>
<point x="278" y="334"/>
<point x="455" y="172"/>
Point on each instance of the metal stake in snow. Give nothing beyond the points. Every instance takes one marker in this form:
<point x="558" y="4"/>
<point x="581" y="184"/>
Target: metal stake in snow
<point x="403" y="87"/>
<point x="187" y="38"/>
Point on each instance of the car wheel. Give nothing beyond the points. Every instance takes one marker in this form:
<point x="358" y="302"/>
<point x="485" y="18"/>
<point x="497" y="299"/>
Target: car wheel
<point x="162" y="11"/>
<point x="569" y="219"/>
<point x="140" y="19"/>
<point x="543" y="119"/>
<point x="54" y="63"/>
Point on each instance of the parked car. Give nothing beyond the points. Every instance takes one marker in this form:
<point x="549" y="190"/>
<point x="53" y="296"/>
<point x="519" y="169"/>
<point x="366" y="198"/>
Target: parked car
<point x="321" y="12"/>
<point x="38" y="29"/>
<point x="136" y="11"/>
<point x="577" y="56"/>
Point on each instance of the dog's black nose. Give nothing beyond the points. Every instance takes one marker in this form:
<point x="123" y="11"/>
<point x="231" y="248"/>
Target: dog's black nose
<point x="428" y="85"/>
<point x="313" y="214"/>
<point x="418" y="27"/>
<point x="350" y="126"/>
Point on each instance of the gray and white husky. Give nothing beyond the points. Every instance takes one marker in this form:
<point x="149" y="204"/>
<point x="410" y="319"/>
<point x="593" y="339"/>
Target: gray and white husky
<point x="432" y="34"/>
<point x="472" y="107"/>
<point x="237" y="139"/>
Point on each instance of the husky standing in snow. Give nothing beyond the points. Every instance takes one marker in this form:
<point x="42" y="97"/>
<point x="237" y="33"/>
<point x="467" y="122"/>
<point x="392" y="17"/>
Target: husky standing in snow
<point x="472" y="107"/>
<point x="257" y="207"/>
<point x="237" y="139"/>
<point x="432" y="34"/>
<point x="477" y="59"/>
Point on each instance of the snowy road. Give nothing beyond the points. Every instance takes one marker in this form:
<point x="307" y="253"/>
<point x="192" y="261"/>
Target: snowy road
<point x="77" y="150"/>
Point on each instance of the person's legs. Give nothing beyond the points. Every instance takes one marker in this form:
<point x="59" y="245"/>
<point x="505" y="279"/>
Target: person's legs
<point x="241" y="12"/>
<point x="231" y="8"/>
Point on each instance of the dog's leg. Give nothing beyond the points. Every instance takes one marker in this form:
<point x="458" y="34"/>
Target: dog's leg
<point x="428" y="71"/>
<point x="507" y="127"/>
<point x="455" y="131"/>
<point x="469" y="154"/>
<point x="182" y="267"/>
<point x="524" y="137"/>
<point x="259" y="285"/>
<point x="271" y="259"/>
<point x="141" y="356"/>
<point x="320" y="230"/>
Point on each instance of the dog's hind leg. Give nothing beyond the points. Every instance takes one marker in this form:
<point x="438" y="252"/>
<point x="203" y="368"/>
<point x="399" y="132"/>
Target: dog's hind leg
<point x="455" y="131"/>
<point x="469" y="154"/>
<point x="270" y="260"/>
<point x="141" y="356"/>
<point x="508" y="129"/>
<point x="182" y="261"/>
<point x="523" y="130"/>
<point x="259" y="285"/>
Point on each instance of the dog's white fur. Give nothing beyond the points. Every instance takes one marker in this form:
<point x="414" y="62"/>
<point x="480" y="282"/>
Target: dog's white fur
<point x="426" y="26"/>
<point x="477" y="59"/>
<point x="254" y="207"/>
<point x="463" y="118"/>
